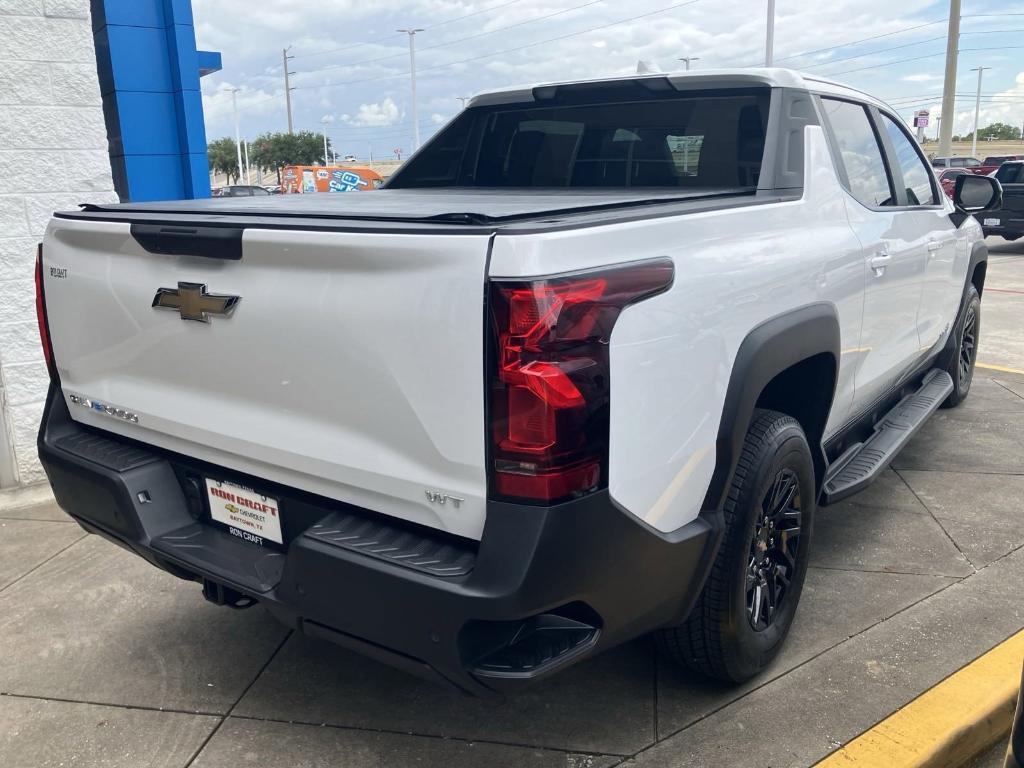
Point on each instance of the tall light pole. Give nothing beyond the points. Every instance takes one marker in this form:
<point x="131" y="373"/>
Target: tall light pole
<point x="463" y="100"/>
<point x="977" y="108"/>
<point x="769" y="40"/>
<point x="687" y="59"/>
<point x="238" y="140"/>
<point x="949" y="85"/>
<point x="412" y="74"/>
<point x="323" y="121"/>
<point x="248" y="169"/>
<point x="287" y="88"/>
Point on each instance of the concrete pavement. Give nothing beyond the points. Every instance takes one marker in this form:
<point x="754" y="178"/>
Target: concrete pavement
<point x="108" y="661"/>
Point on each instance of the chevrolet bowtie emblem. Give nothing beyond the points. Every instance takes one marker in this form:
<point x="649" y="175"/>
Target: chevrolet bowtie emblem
<point x="194" y="303"/>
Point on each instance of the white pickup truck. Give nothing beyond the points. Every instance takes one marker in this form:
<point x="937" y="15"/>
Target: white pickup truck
<point x="583" y="370"/>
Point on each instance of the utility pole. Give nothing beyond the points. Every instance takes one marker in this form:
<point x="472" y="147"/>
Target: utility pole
<point x="287" y="88"/>
<point x="327" y="157"/>
<point x="412" y="73"/>
<point x="463" y="100"/>
<point x="769" y="41"/>
<point x="977" y="108"/>
<point x="238" y="141"/>
<point x="949" y="85"/>
<point x="687" y="59"/>
<point x="248" y="169"/>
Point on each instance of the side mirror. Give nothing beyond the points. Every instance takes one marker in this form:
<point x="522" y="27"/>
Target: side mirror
<point x="976" y="194"/>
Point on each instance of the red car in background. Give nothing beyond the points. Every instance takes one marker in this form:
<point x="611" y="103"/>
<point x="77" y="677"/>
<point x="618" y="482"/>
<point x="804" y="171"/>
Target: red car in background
<point x="991" y="163"/>
<point x="948" y="178"/>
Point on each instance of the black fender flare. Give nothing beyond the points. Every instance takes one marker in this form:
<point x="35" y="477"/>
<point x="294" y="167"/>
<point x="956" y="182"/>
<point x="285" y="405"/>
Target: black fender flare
<point x="768" y="350"/>
<point x="979" y="255"/>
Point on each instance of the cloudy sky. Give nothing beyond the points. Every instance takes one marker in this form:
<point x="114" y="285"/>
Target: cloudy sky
<point x="352" y="68"/>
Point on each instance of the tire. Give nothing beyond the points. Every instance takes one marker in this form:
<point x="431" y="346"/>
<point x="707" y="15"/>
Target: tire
<point x="961" y="364"/>
<point x="723" y="638"/>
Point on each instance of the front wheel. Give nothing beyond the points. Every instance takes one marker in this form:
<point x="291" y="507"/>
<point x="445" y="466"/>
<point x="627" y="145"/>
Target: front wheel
<point x="961" y="364"/>
<point x="749" y="600"/>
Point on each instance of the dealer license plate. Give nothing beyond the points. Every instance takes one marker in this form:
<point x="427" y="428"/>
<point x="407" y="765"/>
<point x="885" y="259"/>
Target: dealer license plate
<point x="991" y="222"/>
<point x="249" y="515"/>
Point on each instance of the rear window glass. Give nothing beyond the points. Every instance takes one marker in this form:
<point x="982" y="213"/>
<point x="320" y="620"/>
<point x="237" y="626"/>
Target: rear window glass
<point x="712" y="140"/>
<point x="1011" y="173"/>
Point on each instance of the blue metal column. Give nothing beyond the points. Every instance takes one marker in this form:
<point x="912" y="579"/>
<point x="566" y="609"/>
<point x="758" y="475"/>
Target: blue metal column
<point x="149" y="72"/>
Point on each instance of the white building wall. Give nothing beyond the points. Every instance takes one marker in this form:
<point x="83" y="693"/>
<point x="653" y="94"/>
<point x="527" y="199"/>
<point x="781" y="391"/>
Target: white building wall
<point x="53" y="155"/>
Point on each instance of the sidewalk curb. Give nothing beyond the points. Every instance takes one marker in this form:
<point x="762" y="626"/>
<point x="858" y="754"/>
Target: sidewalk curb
<point x="949" y="724"/>
<point x="27" y="496"/>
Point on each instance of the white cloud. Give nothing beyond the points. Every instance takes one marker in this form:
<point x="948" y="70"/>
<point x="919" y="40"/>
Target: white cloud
<point x="350" y="35"/>
<point x="377" y="114"/>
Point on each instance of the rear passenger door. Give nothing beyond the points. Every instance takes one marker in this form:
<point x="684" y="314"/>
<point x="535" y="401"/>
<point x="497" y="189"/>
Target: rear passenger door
<point x="892" y="249"/>
<point x="925" y="218"/>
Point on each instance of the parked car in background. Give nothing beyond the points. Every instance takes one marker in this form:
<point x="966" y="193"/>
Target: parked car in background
<point x="273" y="189"/>
<point x="1007" y="221"/>
<point x="972" y="164"/>
<point x="243" y="190"/>
<point x="991" y="163"/>
<point x="349" y="158"/>
<point x="948" y="178"/>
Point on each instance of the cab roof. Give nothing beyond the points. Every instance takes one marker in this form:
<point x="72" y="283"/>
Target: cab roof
<point x="773" y="77"/>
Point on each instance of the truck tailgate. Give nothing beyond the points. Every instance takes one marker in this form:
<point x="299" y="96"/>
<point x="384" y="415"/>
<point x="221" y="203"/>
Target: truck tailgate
<point x="351" y="366"/>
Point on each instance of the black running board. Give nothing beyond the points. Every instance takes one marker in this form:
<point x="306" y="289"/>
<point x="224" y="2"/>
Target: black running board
<point x="861" y="465"/>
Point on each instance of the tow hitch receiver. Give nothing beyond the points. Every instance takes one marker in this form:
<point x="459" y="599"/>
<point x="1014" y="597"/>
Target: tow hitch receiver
<point x="218" y="594"/>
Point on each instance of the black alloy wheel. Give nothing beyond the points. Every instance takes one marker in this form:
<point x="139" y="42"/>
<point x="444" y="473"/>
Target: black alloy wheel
<point x="773" y="551"/>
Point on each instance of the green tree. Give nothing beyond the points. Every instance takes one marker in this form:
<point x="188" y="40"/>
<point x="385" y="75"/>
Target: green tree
<point x="998" y="131"/>
<point x="273" y="151"/>
<point x="223" y="157"/>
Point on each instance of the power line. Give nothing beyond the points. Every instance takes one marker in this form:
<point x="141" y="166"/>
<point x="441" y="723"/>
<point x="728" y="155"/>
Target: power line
<point x="862" y="40"/>
<point x="509" y="50"/>
<point x="886" y="64"/>
<point x="872" y="53"/>
<point x="446" y="43"/>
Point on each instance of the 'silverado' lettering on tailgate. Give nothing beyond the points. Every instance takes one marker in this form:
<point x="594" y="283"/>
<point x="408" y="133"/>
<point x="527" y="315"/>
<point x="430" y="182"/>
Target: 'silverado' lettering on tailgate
<point x="105" y="408"/>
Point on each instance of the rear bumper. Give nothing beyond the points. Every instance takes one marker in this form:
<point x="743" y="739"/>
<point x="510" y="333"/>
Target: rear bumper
<point x="544" y="588"/>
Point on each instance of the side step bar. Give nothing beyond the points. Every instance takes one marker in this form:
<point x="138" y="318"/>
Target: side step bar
<point x="859" y="466"/>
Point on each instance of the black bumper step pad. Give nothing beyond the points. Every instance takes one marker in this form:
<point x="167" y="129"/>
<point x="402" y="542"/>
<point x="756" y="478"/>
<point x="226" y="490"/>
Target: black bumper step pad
<point x="435" y="554"/>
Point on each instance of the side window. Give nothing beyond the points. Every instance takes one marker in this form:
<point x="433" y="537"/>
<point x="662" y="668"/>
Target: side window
<point x="956" y="162"/>
<point x="916" y="176"/>
<point x="859" y="152"/>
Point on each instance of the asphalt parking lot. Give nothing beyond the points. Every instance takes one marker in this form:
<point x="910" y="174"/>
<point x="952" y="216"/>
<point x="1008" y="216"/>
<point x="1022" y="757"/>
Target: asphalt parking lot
<point x="107" y="661"/>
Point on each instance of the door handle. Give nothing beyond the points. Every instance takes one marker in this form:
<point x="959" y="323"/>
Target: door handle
<point x="934" y="245"/>
<point x="879" y="262"/>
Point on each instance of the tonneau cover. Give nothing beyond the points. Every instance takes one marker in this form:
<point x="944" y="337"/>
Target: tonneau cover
<point x="471" y="206"/>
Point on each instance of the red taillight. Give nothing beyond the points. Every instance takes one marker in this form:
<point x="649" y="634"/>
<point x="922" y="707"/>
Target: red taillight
<point x="550" y="384"/>
<point x="44" y="328"/>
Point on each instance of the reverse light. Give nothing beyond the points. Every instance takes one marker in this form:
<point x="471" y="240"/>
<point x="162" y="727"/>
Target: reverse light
<point x="44" y="326"/>
<point x="550" y="377"/>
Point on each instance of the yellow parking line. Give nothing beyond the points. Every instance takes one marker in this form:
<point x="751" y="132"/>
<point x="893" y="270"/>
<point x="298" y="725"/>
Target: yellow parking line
<point x="948" y="724"/>
<point x="1001" y="368"/>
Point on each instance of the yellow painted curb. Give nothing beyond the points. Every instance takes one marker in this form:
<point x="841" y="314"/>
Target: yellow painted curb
<point x="1003" y="368"/>
<point x="947" y="725"/>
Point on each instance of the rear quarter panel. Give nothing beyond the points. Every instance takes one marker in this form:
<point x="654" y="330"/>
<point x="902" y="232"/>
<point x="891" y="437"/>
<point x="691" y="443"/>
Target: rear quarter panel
<point x="672" y="355"/>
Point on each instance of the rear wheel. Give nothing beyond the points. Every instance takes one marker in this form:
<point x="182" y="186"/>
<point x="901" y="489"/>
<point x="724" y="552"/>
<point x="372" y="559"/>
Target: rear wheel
<point x="961" y="365"/>
<point x="744" y="613"/>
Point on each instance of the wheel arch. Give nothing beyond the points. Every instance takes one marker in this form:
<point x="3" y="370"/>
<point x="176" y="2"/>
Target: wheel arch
<point x="773" y="366"/>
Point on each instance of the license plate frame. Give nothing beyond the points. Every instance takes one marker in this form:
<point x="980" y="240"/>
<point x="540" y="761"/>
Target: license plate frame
<point x="244" y="512"/>
<point x="991" y="222"/>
